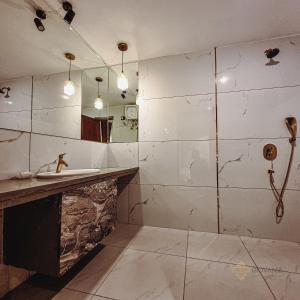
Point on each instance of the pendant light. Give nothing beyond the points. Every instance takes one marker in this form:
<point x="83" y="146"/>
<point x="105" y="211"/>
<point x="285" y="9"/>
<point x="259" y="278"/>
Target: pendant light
<point x="122" y="80"/>
<point x="98" y="101"/>
<point x="69" y="86"/>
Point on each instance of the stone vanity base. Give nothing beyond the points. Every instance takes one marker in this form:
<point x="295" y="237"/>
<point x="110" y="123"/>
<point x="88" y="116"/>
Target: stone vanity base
<point x="89" y="214"/>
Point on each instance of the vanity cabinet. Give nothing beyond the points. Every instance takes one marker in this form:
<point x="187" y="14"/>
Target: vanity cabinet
<point x="52" y="234"/>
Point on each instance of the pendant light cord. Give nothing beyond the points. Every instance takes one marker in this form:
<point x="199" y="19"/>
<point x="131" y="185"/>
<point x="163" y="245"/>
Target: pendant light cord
<point x="98" y="89"/>
<point x="70" y="70"/>
<point x="122" y="60"/>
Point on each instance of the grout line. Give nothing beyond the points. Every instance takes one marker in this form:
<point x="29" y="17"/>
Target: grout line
<point x="86" y="293"/>
<point x="258" y="269"/>
<point x="217" y="140"/>
<point x="15" y="111"/>
<point x="55" y="107"/>
<point x="186" y="255"/>
<point x="178" y="96"/>
<point x="260" y="89"/>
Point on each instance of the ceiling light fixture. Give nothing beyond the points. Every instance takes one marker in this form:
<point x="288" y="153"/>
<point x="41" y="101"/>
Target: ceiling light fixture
<point x="40" y="15"/>
<point x="122" y="80"/>
<point x="69" y="86"/>
<point x="98" y="101"/>
<point x="67" y="6"/>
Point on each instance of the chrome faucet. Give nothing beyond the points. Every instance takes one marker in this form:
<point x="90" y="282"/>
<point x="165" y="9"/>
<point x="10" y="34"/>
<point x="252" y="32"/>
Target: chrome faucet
<point x="61" y="163"/>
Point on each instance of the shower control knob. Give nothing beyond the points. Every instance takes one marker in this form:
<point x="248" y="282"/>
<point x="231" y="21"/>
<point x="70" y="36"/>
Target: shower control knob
<point x="270" y="151"/>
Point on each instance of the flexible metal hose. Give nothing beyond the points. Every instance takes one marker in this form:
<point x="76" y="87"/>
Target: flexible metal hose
<point x="279" y="196"/>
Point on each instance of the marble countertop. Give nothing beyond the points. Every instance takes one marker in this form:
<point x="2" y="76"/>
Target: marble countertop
<point x="18" y="191"/>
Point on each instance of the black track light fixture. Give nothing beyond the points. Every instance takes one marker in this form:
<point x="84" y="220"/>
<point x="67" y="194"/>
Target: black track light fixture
<point x="67" y="6"/>
<point x="40" y="15"/>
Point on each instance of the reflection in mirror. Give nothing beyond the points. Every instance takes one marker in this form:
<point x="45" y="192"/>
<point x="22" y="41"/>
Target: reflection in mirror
<point x="123" y="111"/>
<point x="109" y="115"/>
<point x="34" y="67"/>
<point x="95" y="125"/>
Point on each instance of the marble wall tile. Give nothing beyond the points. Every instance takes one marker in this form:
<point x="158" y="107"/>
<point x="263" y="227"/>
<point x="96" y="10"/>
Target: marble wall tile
<point x="63" y="121"/>
<point x="190" y="163"/>
<point x="14" y="149"/>
<point x="251" y="212"/>
<point x="241" y="164"/>
<point x="173" y="206"/>
<point x="178" y="75"/>
<point x="48" y="91"/>
<point x="257" y="113"/>
<point x="179" y="118"/>
<point x="123" y="155"/>
<point x="242" y="67"/>
<point x="15" y="111"/>
<point x="79" y="154"/>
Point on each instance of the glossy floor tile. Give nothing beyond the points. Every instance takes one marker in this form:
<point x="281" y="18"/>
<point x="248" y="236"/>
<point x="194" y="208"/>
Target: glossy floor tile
<point x="216" y="247"/>
<point x="276" y="255"/>
<point x="143" y="262"/>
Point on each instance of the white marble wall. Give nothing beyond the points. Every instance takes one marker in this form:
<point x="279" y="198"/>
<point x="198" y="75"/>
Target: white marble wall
<point x="53" y="112"/>
<point x="176" y="184"/>
<point x="15" y="111"/>
<point x="253" y="101"/>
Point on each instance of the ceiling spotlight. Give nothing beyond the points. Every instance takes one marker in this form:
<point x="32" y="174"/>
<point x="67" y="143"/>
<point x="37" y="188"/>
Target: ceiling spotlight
<point x="98" y="101"/>
<point x="69" y="86"/>
<point x="40" y="15"/>
<point x="67" y="6"/>
<point x="122" y="80"/>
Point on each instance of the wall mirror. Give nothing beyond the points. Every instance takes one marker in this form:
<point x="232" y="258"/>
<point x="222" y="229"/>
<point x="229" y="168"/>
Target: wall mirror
<point x="110" y="115"/>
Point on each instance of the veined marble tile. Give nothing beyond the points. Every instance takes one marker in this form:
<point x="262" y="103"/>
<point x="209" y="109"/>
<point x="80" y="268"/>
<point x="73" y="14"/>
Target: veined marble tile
<point x="178" y="75"/>
<point x="20" y="95"/>
<point x="218" y="247"/>
<point x="123" y="155"/>
<point x="66" y="294"/>
<point x="219" y="281"/>
<point x="15" y="111"/>
<point x="145" y="275"/>
<point x="48" y="91"/>
<point x="285" y="286"/>
<point x="158" y="163"/>
<point x="79" y="154"/>
<point x="178" y="118"/>
<point x="197" y="163"/>
<point x="257" y="114"/>
<point x="173" y="206"/>
<point x="272" y="254"/>
<point x="64" y="121"/>
<point x="242" y="164"/>
<point x="20" y="120"/>
<point x="251" y="212"/>
<point x="95" y="272"/>
<point x="190" y="163"/>
<point x="242" y="67"/>
<point x="14" y="149"/>
<point x="151" y="239"/>
<point x="122" y="204"/>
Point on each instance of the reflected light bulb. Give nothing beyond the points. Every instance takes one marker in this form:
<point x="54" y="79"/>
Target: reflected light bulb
<point x="122" y="82"/>
<point x="139" y="100"/>
<point x="69" y="88"/>
<point x="98" y="103"/>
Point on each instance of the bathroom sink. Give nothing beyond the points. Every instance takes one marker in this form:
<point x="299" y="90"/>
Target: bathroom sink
<point x="66" y="173"/>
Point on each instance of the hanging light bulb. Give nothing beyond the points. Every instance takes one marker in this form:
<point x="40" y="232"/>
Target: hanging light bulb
<point x="139" y="99"/>
<point x="122" y="82"/>
<point x="69" y="86"/>
<point x="98" y="103"/>
<point x="122" y="79"/>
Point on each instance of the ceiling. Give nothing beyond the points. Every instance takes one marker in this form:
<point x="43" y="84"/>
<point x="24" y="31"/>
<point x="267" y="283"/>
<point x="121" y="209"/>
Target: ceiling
<point x="155" y="28"/>
<point x="26" y="51"/>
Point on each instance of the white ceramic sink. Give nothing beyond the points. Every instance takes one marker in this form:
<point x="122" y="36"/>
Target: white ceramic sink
<point x="66" y="173"/>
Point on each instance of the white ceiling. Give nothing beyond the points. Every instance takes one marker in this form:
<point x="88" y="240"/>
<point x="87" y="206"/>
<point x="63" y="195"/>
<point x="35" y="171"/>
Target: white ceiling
<point x="26" y="51"/>
<point x="155" y="28"/>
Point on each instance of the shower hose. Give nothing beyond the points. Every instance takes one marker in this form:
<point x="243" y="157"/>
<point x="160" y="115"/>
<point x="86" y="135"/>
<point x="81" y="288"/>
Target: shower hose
<point x="279" y="195"/>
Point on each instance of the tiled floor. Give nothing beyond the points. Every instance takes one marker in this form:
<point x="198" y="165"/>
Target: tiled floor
<point x="158" y="263"/>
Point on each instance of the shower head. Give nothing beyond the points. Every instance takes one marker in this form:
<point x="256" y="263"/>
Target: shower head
<point x="291" y="124"/>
